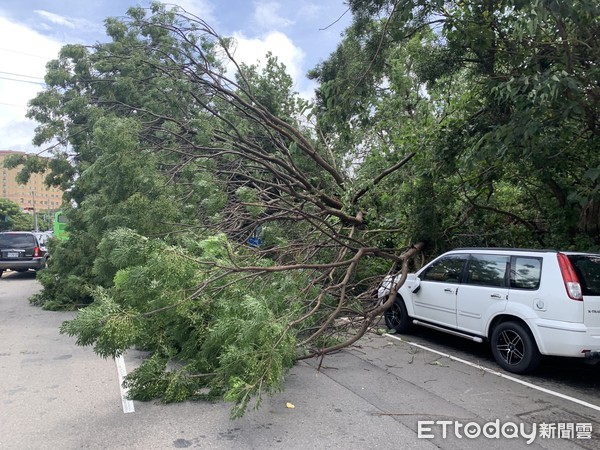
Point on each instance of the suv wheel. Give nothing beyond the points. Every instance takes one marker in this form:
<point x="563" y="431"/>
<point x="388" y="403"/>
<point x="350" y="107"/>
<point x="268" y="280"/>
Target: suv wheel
<point x="396" y="317"/>
<point x="514" y="348"/>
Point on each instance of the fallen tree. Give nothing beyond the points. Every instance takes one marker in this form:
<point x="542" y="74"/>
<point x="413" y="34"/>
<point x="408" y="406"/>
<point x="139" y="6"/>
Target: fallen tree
<point x="225" y="234"/>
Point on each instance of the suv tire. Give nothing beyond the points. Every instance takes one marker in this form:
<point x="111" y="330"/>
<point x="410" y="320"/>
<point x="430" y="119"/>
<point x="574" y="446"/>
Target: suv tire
<point x="396" y="317"/>
<point x="514" y="348"/>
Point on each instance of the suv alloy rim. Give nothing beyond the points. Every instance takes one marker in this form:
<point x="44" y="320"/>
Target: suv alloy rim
<point x="394" y="315"/>
<point x="511" y="347"/>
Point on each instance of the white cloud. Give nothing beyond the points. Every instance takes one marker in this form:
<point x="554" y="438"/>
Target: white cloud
<point x="253" y="51"/>
<point x="23" y="57"/>
<point x="311" y="11"/>
<point x="24" y="51"/>
<point x="74" y="23"/>
<point x="266" y="15"/>
<point x="204" y="9"/>
<point x="55" y="18"/>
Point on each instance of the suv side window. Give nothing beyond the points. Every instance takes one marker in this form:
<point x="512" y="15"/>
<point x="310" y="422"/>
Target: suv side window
<point x="446" y="270"/>
<point x="525" y="272"/>
<point x="488" y="270"/>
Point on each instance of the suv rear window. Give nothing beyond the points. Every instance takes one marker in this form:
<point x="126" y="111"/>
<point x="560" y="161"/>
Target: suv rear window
<point x="17" y="241"/>
<point x="587" y="268"/>
<point x="525" y="272"/>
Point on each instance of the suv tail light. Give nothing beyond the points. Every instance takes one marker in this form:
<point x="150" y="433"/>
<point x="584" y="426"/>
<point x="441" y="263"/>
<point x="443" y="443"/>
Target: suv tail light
<point x="37" y="252"/>
<point x="569" y="277"/>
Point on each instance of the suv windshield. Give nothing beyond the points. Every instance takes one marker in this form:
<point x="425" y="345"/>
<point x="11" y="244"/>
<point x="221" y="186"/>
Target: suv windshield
<point x="16" y="241"/>
<point x="587" y="268"/>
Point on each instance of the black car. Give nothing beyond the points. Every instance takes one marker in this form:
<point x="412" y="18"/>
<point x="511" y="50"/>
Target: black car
<point x="21" y="251"/>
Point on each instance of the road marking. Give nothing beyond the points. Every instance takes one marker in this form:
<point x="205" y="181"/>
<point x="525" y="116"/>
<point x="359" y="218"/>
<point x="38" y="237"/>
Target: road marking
<point x="500" y="374"/>
<point x="122" y="371"/>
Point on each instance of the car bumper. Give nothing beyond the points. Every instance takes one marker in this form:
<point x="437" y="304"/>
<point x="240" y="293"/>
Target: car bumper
<point x="566" y="339"/>
<point x="35" y="264"/>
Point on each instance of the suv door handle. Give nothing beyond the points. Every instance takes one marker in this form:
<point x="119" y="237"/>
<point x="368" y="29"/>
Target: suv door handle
<point x="497" y="296"/>
<point x="450" y="291"/>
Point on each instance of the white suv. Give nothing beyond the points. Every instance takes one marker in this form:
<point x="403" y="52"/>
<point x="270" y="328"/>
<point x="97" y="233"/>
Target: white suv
<point x="526" y="303"/>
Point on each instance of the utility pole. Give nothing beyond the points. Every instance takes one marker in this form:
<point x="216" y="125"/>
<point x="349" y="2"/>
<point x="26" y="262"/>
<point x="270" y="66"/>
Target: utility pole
<point x="35" y="217"/>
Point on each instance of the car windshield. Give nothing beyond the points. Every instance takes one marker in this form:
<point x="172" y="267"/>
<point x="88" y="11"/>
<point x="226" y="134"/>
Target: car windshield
<point x="587" y="268"/>
<point x="16" y="240"/>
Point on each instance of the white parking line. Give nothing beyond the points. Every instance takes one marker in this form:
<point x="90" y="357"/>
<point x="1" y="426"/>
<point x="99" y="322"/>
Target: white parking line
<point x="500" y="374"/>
<point x="122" y="371"/>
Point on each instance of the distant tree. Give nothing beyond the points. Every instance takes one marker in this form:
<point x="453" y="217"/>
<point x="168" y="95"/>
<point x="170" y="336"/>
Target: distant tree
<point x="12" y="218"/>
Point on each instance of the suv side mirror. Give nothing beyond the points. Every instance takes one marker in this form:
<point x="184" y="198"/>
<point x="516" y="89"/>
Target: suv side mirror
<point x="413" y="283"/>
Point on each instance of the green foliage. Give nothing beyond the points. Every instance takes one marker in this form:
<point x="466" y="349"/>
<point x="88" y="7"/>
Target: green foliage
<point x="253" y="349"/>
<point x="488" y="95"/>
<point x="208" y="340"/>
<point x="150" y="380"/>
<point x="121" y="188"/>
<point x="282" y="102"/>
<point x="118" y="250"/>
<point x="30" y="164"/>
<point x="106" y="325"/>
<point x="68" y="281"/>
<point x="249" y="198"/>
<point x="12" y="218"/>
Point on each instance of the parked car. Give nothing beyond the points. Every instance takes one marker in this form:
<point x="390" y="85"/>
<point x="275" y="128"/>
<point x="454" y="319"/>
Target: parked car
<point x="525" y="303"/>
<point x="21" y="251"/>
<point x="43" y="237"/>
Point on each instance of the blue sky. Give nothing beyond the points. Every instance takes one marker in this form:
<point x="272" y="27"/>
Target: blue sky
<point x="300" y="33"/>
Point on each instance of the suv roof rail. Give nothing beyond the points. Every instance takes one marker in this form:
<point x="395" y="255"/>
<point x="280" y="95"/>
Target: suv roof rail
<point x="508" y="249"/>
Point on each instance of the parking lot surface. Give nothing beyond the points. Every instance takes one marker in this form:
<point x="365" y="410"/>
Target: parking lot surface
<point x="383" y="393"/>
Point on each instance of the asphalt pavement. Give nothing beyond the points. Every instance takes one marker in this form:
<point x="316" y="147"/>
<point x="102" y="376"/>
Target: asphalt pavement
<point x="382" y="393"/>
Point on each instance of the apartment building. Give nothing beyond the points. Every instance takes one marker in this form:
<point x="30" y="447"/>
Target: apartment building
<point x="34" y="195"/>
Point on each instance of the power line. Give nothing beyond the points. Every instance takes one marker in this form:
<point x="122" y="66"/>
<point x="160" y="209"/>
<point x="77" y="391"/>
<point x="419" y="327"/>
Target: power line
<point x="13" y="104"/>
<point x="23" y="53"/>
<point x="21" y="75"/>
<point x="22" y="81"/>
